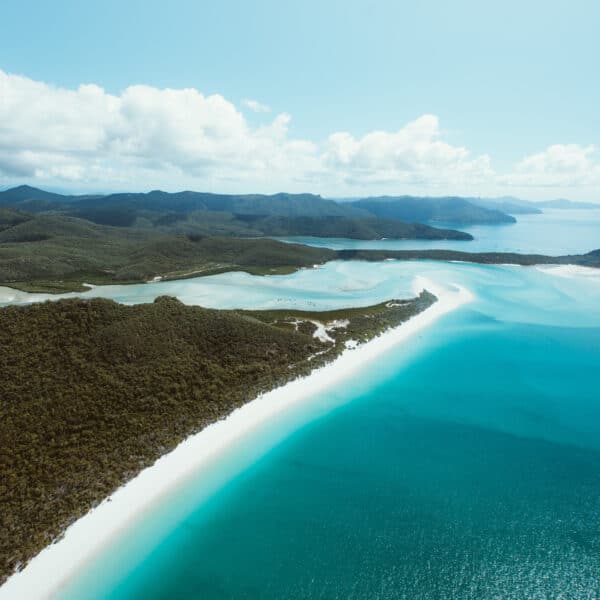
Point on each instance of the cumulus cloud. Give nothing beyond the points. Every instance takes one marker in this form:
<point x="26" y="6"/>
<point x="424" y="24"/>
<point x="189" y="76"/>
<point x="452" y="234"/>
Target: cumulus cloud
<point x="559" y="165"/>
<point x="414" y="154"/>
<point x="256" y="106"/>
<point x="174" y="138"/>
<point x="89" y="134"/>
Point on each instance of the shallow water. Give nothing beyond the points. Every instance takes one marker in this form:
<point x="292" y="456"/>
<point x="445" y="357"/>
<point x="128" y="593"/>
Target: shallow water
<point x="465" y="465"/>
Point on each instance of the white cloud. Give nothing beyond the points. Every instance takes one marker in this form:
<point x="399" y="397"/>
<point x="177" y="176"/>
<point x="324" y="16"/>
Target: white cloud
<point x="88" y="135"/>
<point x="560" y="166"/>
<point x="414" y="154"/>
<point x="176" y="138"/>
<point x="256" y="106"/>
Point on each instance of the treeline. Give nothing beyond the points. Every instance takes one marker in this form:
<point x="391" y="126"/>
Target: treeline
<point x="591" y="259"/>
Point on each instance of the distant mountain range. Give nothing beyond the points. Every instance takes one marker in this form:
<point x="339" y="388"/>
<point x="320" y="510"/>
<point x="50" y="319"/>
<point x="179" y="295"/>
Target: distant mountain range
<point x="505" y="204"/>
<point x="515" y="206"/>
<point x="564" y="203"/>
<point x="449" y="209"/>
<point x="248" y="215"/>
<point x="256" y="215"/>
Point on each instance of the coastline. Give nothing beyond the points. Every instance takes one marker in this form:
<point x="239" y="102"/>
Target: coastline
<point x="57" y="563"/>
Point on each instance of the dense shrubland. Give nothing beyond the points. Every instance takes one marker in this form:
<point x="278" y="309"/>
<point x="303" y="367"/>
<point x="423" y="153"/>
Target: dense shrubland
<point x="91" y="392"/>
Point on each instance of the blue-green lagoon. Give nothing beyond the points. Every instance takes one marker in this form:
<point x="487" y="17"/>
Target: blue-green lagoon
<point x="465" y="465"/>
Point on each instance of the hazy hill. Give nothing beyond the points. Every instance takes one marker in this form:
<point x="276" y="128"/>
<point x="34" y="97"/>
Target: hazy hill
<point x="509" y="205"/>
<point x="64" y="251"/>
<point x="566" y="204"/>
<point x="450" y="209"/>
<point x="516" y="206"/>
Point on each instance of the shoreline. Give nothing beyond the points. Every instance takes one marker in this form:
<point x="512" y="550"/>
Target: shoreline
<point x="569" y="271"/>
<point x="54" y="566"/>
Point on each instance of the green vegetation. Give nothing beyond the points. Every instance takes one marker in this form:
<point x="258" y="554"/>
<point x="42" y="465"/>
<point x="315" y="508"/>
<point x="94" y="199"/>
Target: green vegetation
<point x="10" y="217"/>
<point x="92" y="392"/>
<point x="346" y="324"/>
<point x="58" y="253"/>
<point x="591" y="259"/>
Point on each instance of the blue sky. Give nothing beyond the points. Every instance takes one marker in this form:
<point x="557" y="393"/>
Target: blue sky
<point x="505" y="81"/>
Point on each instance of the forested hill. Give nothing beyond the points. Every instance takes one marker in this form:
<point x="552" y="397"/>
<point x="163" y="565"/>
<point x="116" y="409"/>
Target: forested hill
<point x="58" y="253"/>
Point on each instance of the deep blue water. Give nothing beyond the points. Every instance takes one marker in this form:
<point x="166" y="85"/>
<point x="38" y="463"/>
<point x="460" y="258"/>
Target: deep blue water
<point x="465" y="465"/>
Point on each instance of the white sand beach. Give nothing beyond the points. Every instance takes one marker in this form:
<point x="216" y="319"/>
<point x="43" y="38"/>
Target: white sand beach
<point x="45" y="573"/>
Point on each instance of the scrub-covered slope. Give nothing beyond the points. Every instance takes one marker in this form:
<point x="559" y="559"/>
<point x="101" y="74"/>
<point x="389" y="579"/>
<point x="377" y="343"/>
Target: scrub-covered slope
<point x="91" y="392"/>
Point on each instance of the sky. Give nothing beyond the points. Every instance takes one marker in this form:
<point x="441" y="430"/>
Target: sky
<point x="339" y="98"/>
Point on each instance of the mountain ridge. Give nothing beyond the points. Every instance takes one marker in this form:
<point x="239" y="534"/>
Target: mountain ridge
<point x="246" y="215"/>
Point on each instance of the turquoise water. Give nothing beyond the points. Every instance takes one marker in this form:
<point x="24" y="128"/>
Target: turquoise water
<point x="465" y="465"/>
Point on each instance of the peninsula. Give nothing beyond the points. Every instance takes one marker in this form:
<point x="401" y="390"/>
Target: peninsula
<point x="92" y="392"/>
